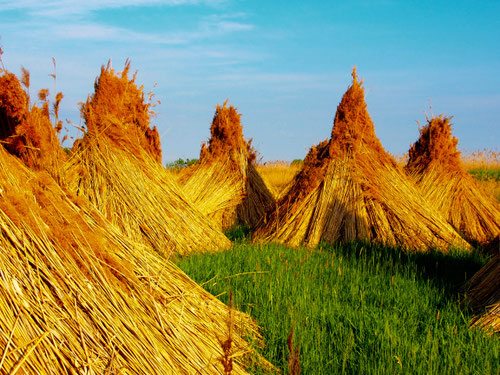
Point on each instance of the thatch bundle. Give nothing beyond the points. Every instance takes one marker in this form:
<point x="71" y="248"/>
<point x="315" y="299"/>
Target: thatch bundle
<point x="76" y="296"/>
<point x="484" y="295"/>
<point x="115" y="166"/>
<point x="225" y="184"/>
<point x="350" y="188"/>
<point x="26" y="131"/>
<point x="435" y="164"/>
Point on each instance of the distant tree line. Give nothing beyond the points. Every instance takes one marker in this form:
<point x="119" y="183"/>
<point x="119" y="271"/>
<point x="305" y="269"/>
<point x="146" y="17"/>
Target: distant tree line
<point x="181" y="163"/>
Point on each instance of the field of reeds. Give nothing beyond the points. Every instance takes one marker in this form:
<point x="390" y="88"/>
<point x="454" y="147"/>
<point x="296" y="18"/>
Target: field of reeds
<point x="354" y="308"/>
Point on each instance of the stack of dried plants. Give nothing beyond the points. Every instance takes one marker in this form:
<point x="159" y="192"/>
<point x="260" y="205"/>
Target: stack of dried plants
<point x="350" y="188"/>
<point x="435" y="164"/>
<point x="225" y="184"/>
<point x="114" y="166"/>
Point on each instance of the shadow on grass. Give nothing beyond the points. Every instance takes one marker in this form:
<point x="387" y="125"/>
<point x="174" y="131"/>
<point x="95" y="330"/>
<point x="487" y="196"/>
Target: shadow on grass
<point x="239" y="234"/>
<point x="449" y="271"/>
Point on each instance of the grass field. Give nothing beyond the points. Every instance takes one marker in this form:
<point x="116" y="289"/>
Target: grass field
<point x="355" y="308"/>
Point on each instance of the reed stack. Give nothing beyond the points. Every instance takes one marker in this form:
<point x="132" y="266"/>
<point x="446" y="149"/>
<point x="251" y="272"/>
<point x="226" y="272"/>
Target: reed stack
<point x="116" y="166"/>
<point x="225" y="184"/>
<point x="483" y="293"/>
<point x="435" y="165"/>
<point x="350" y="188"/>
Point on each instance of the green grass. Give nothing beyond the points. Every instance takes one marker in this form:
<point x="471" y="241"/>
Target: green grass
<point x="356" y="308"/>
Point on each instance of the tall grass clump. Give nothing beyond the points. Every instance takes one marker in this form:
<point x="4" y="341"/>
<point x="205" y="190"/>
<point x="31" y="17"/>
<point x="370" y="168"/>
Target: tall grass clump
<point x="279" y="173"/>
<point x="355" y="308"/>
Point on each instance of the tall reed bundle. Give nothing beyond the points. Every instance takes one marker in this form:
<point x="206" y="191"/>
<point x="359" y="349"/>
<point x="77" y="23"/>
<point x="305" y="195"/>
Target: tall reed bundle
<point x="435" y="164"/>
<point x="76" y="296"/>
<point x="225" y="184"/>
<point x="484" y="295"/>
<point x="121" y="177"/>
<point x="350" y="188"/>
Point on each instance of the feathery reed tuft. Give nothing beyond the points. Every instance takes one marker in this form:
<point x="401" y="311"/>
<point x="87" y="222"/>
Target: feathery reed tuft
<point x="27" y="132"/>
<point x="119" y="111"/>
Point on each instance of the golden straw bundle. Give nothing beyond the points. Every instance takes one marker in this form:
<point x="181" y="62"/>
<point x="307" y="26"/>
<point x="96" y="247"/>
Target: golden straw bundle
<point x="435" y="164"/>
<point x="225" y="185"/>
<point x="118" y="172"/>
<point x="76" y="296"/>
<point x="350" y="188"/>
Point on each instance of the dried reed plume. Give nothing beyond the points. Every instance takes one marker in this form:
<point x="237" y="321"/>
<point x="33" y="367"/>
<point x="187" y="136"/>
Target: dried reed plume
<point x="350" y="188"/>
<point x="118" y="110"/>
<point x="293" y="355"/>
<point x="225" y="185"/>
<point x="26" y="131"/>
<point x="435" y="164"/>
<point x="115" y="167"/>
<point x="76" y="296"/>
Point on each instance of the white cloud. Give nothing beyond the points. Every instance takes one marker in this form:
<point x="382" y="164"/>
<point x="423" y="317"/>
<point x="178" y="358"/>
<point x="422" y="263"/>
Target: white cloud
<point x="75" y="8"/>
<point x="101" y="32"/>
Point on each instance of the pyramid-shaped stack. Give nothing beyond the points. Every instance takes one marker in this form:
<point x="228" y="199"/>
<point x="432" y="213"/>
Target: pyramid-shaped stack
<point x="435" y="164"/>
<point x="225" y="184"/>
<point x="350" y="188"/>
<point x="116" y="166"/>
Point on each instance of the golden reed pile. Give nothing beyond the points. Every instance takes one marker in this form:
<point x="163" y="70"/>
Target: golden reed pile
<point x="225" y="184"/>
<point x="77" y="296"/>
<point x="483" y="293"/>
<point x="116" y="167"/>
<point x="350" y="188"/>
<point x="435" y="164"/>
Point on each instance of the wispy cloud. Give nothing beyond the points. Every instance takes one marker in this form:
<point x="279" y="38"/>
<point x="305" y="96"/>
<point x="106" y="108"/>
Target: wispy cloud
<point x="71" y="20"/>
<point x="75" y="8"/>
<point x="102" y="32"/>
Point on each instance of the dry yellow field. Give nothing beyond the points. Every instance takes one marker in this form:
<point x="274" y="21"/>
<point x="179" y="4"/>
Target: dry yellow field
<point x="278" y="173"/>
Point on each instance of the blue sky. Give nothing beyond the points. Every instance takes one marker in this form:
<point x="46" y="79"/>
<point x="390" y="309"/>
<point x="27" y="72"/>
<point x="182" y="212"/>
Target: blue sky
<point x="283" y="64"/>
